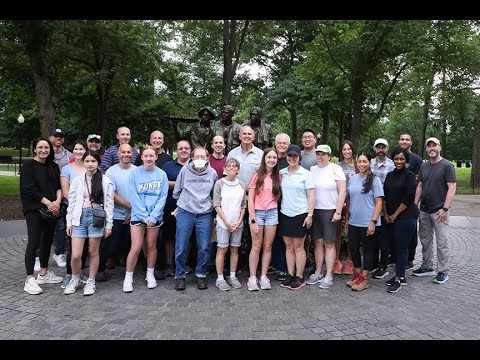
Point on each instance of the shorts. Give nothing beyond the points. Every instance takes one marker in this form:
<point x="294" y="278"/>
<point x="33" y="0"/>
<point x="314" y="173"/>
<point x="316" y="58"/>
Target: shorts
<point x="225" y="238"/>
<point x="292" y="226"/>
<point x="322" y="225"/>
<point x="138" y="223"/>
<point x="267" y="217"/>
<point x="86" y="229"/>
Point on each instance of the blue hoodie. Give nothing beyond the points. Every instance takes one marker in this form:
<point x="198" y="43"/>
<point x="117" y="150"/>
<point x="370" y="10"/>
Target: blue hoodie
<point x="148" y="194"/>
<point x="194" y="190"/>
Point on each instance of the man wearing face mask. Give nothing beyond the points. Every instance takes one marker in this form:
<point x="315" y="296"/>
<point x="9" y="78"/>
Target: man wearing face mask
<point x="194" y="193"/>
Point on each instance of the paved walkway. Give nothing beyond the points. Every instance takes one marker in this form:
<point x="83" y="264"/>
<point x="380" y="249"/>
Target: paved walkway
<point x="421" y="310"/>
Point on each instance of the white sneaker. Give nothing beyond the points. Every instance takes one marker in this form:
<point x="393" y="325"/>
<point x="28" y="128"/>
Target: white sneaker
<point x="265" y="283"/>
<point x="128" y="285"/>
<point x="325" y="283"/>
<point x="32" y="287"/>
<point x="252" y="284"/>
<point x="37" y="264"/>
<point x="49" y="278"/>
<point x="151" y="282"/>
<point x="61" y="260"/>
<point x="314" y="278"/>
<point x="89" y="288"/>
<point x="72" y="286"/>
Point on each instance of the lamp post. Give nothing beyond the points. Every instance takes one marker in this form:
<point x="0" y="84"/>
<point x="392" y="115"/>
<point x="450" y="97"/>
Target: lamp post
<point x="20" y="120"/>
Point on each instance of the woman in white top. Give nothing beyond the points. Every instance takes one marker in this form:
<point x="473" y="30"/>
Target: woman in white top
<point x="88" y="191"/>
<point x="330" y="185"/>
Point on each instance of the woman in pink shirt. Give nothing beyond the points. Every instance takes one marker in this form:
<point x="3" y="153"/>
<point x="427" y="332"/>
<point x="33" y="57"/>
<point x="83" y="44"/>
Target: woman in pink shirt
<point x="263" y="195"/>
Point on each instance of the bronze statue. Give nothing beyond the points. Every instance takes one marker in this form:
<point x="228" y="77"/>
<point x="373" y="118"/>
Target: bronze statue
<point x="229" y="129"/>
<point x="263" y="131"/>
<point x="199" y="133"/>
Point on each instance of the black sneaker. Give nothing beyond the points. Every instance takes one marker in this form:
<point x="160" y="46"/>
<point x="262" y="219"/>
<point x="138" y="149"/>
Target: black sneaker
<point x="287" y="281"/>
<point x="380" y="273"/>
<point x="159" y="275"/>
<point x="282" y="275"/>
<point x="394" y="287"/>
<point x="272" y="270"/>
<point x="297" y="283"/>
<point x="403" y="281"/>
<point x="102" y="276"/>
<point x="421" y="271"/>
<point x="441" y="278"/>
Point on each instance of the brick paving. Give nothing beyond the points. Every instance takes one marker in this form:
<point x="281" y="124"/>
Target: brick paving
<point x="421" y="310"/>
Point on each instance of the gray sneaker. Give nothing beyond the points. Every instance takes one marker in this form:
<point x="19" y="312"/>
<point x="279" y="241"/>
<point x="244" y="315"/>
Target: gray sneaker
<point x="66" y="280"/>
<point x="314" y="278"/>
<point x="235" y="283"/>
<point x="49" y="278"/>
<point x="83" y="276"/>
<point x="222" y="285"/>
<point x="325" y="283"/>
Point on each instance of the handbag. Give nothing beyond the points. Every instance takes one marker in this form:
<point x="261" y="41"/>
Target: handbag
<point x="48" y="216"/>
<point x="99" y="215"/>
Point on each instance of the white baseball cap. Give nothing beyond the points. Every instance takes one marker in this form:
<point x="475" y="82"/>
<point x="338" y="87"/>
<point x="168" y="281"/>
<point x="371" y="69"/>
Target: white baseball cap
<point x="380" y="141"/>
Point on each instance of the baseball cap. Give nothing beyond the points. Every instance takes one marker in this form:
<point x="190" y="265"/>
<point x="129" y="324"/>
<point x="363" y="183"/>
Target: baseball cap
<point x="55" y="132"/>
<point x="293" y="150"/>
<point x="94" y="136"/>
<point x="323" y="148"/>
<point x="434" y="139"/>
<point x="380" y="141"/>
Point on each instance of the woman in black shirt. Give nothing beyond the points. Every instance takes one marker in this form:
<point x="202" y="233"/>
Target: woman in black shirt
<point x="401" y="213"/>
<point x="40" y="191"/>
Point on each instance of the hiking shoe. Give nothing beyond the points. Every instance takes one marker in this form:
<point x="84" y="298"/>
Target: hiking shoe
<point x="49" y="278"/>
<point x="102" y="276"/>
<point x="297" y="283"/>
<point x="394" y="286"/>
<point x="314" y="278"/>
<point x="32" y="287"/>
<point x="151" y="282"/>
<point x="353" y="280"/>
<point x="37" y="267"/>
<point x="403" y="281"/>
<point x="89" y="288"/>
<point x="202" y="283"/>
<point x="325" y="283"/>
<point x="233" y="282"/>
<point x="337" y="268"/>
<point x="287" y="281"/>
<point x="222" y="285"/>
<point x="380" y="273"/>
<point x="127" y="285"/>
<point x="159" y="275"/>
<point x="360" y="284"/>
<point x="348" y="270"/>
<point x="282" y="275"/>
<point x="441" y="278"/>
<point x="66" y="280"/>
<point x="180" y="284"/>
<point x="272" y="270"/>
<point x="83" y="276"/>
<point x="252" y="284"/>
<point x="61" y="260"/>
<point x="421" y="271"/>
<point x="265" y="283"/>
<point x="72" y="286"/>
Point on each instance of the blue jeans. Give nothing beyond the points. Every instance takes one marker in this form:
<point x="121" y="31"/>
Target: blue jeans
<point x="203" y="227"/>
<point x="399" y="234"/>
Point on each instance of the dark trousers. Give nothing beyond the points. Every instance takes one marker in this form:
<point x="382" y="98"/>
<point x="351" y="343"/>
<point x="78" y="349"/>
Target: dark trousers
<point x="118" y="243"/>
<point x="279" y="260"/>
<point x="399" y="234"/>
<point x="412" y="244"/>
<point x="357" y="237"/>
<point x="40" y="235"/>
<point x="381" y="247"/>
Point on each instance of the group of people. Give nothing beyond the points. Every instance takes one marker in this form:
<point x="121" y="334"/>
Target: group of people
<point x="278" y="195"/>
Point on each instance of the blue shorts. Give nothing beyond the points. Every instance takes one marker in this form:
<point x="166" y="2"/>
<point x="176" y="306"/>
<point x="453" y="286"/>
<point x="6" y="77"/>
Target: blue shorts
<point x="86" y="228"/>
<point x="266" y="217"/>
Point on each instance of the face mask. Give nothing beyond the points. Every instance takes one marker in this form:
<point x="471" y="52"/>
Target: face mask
<point x="199" y="164"/>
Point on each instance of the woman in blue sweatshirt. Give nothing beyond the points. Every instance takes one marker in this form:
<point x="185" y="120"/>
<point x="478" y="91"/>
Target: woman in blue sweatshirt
<point x="149" y="187"/>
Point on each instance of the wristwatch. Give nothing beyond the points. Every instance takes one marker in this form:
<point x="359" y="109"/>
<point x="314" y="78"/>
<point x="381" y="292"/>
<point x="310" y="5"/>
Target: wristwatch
<point x="374" y="221"/>
<point x="445" y="209"/>
<point x="311" y="215"/>
<point x="252" y="221"/>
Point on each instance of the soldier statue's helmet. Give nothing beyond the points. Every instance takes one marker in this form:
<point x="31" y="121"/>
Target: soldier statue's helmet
<point x="229" y="108"/>
<point x="209" y="109"/>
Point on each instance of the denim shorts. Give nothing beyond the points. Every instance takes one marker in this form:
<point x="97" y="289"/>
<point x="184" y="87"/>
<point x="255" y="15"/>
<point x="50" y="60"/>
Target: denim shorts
<point x="86" y="228"/>
<point x="267" y="217"/>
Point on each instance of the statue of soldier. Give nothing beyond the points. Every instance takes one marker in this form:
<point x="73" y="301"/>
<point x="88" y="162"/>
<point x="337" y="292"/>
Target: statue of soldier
<point x="262" y="130"/>
<point x="229" y="129"/>
<point x="199" y="133"/>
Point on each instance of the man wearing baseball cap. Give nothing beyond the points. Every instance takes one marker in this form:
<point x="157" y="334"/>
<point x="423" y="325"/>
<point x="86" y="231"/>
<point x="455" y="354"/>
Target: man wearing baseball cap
<point x="381" y="165"/>
<point x="435" y="191"/>
<point x="94" y="142"/>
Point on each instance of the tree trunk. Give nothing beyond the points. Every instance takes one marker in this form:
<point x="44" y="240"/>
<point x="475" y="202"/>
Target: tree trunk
<point x="293" y="119"/>
<point x="357" y="98"/>
<point x="229" y="32"/>
<point x="341" y="130"/>
<point x="34" y="42"/>
<point x="475" y="175"/>
<point x="427" y="100"/>
<point x="326" y="123"/>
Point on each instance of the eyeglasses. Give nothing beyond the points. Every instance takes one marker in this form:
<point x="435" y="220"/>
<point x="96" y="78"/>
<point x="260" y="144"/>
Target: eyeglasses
<point x="308" y="137"/>
<point x="200" y="157"/>
<point x="231" y="165"/>
<point x="183" y="148"/>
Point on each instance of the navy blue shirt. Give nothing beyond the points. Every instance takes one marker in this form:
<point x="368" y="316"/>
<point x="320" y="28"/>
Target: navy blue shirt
<point x="172" y="168"/>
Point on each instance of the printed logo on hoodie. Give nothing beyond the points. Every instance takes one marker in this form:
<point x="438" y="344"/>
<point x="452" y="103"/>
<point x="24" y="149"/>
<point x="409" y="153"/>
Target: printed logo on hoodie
<point x="150" y="188"/>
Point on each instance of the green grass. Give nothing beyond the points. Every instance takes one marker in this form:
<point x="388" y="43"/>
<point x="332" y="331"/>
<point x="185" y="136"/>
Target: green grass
<point x="463" y="181"/>
<point x="9" y="185"/>
<point x="13" y="152"/>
